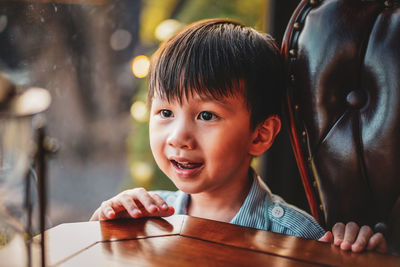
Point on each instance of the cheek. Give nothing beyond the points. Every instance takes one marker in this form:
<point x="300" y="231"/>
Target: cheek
<point x="229" y="145"/>
<point x="156" y="146"/>
<point x="156" y="143"/>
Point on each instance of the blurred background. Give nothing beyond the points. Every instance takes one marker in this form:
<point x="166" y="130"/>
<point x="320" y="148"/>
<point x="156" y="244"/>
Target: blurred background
<point x="93" y="57"/>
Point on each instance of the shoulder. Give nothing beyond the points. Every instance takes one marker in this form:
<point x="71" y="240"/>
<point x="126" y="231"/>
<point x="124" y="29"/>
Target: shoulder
<point x="288" y="219"/>
<point x="284" y="218"/>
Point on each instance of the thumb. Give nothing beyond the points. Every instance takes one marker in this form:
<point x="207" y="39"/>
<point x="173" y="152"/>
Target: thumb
<point x="327" y="237"/>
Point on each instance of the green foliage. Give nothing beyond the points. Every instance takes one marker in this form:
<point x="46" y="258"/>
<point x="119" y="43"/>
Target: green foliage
<point x="153" y="13"/>
<point x="251" y="13"/>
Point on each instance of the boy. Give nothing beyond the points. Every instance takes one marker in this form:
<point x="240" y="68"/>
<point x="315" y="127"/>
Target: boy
<point x="214" y="91"/>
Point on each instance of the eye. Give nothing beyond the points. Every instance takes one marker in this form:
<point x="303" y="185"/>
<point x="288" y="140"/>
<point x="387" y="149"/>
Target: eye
<point x="165" y="113"/>
<point x="207" y="116"/>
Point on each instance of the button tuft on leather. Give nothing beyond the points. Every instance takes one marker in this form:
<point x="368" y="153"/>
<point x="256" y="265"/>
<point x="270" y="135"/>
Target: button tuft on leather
<point x="278" y="212"/>
<point x="356" y="99"/>
<point x="297" y="26"/>
<point x="314" y="3"/>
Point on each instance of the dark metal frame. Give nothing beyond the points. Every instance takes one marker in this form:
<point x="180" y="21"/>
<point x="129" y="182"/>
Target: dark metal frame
<point x="40" y="167"/>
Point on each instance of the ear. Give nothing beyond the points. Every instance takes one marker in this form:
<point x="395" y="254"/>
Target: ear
<point x="264" y="135"/>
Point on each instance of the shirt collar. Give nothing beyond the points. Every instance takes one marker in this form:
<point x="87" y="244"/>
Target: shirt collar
<point x="252" y="211"/>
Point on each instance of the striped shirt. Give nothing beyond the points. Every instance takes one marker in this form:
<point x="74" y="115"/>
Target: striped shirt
<point x="261" y="210"/>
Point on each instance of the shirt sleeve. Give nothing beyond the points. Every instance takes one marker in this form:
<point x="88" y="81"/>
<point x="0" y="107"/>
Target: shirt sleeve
<point x="287" y="219"/>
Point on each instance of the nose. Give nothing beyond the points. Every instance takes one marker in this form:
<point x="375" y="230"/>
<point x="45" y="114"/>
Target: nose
<point x="181" y="135"/>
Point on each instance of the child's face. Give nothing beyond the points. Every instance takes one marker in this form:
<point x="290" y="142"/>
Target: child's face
<point x="202" y="145"/>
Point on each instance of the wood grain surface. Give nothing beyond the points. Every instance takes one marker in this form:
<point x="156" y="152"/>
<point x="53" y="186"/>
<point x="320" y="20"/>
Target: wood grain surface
<point x="182" y="240"/>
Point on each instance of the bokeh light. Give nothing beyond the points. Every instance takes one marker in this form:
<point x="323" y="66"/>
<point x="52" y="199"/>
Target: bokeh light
<point x="140" y="66"/>
<point x="142" y="172"/>
<point x="139" y="111"/>
<point x="167" y="28"/>
<point x="120" y="39"/>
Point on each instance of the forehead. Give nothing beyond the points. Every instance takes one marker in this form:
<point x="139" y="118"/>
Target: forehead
<point x="233" y="98"/>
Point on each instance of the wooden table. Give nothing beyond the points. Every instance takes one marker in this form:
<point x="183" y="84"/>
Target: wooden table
<point x="187" y="241"/>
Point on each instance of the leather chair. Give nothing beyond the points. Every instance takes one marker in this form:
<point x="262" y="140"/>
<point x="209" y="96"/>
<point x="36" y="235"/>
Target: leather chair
<point x="343" y="105"/>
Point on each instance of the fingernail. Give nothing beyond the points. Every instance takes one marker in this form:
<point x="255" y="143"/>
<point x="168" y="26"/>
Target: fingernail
<point x="345" y="245"/>
<point x="164" y="206"/>
<point x="153" y="208"/>
<point x="356" y="248"/>
<point x="135" y="212"/>
<point x="109" y="213"/>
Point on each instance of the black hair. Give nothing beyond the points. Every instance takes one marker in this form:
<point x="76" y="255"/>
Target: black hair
<point x="218" y="58"/>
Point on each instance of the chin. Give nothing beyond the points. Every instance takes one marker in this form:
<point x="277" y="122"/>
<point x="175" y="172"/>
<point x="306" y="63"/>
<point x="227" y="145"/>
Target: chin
<point x="187" y="188"/>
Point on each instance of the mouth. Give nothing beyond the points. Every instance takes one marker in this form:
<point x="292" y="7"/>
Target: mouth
<point x="186" y="165"/>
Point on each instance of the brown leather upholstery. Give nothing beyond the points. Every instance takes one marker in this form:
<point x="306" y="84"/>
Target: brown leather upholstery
<point x="343" y="59"/>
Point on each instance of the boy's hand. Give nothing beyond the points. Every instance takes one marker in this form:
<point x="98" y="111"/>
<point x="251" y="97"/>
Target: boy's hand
<point x="133" y="203"/>
<point x="352" y="237"/>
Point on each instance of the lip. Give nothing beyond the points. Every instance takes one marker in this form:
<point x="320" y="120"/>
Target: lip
<point x="195" y="167"/>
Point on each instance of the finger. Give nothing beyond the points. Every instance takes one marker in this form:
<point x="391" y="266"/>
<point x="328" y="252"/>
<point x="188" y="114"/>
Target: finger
<point x="350" y="234"/>
<point x="106" y="211"/>
<point x="169" y="212"/>
<point x="338" y="233"/>
<point x="126" y="200"/>
<point x="378" y="243"/>
<point x="146" y="200"/>
<point x="159" y="201"/>
<point x="95" y="215"/>
<point x="327" y="237"/>
<point x="362" y="239"/>
<point x="102" y="216"/>
<point x="161" y="213"/>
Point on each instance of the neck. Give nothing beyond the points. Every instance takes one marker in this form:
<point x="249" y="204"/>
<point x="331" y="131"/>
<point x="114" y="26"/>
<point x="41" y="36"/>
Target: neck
<point x="221" y="204"/>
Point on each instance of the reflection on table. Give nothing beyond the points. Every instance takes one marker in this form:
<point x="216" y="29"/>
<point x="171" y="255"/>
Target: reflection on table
<point x="183" y="241"/>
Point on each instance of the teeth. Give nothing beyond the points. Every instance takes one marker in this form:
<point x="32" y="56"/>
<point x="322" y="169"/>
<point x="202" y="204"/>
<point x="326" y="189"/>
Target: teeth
<point x="187" y="165"/>
<point x="180" y="166"/>
<point x="183" y="165"/>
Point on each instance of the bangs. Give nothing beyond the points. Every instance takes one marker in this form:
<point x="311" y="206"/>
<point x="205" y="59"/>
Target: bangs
<point x="207" y="60"/>
<point x="219" y="58"/>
